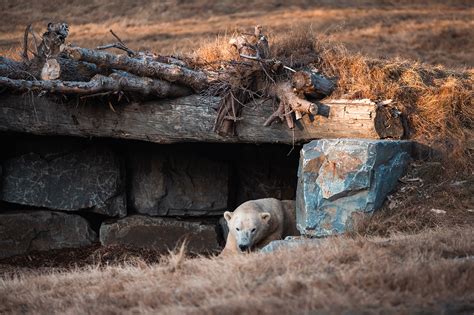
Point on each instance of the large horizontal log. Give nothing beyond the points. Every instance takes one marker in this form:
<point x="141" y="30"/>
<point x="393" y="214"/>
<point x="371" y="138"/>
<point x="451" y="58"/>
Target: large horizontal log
<point x="191" y="118"/>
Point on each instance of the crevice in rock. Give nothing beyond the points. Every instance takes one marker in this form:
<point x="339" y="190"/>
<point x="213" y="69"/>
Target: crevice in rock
<point x="94" y="219"/>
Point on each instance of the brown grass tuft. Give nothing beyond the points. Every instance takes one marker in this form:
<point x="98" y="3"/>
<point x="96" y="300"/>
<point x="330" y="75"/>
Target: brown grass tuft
<point x="212" y="53"/>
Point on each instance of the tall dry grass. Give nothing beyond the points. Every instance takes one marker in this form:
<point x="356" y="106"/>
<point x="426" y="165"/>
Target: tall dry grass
<point x="432" y="272"/>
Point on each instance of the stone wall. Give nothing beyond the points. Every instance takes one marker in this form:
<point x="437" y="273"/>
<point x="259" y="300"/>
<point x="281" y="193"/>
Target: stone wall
<point x="58" y="192"/>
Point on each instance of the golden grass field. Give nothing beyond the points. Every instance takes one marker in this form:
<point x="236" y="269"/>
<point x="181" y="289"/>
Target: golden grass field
<point x="406" y="259"/>
<point x="427" y="273"/>
<point x="431" y="31"/>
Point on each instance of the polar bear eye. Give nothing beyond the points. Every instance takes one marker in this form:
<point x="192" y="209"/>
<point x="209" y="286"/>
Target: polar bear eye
<point x="237" y="229"/>
<point x="253" y="230"/>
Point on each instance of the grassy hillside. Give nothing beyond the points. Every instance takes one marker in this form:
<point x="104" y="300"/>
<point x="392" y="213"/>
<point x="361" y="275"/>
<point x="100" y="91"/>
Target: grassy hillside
<point x="427" y="273"/>
<point x="431" y="31"/>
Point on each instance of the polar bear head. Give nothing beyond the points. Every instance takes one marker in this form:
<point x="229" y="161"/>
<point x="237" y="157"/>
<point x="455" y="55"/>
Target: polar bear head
<point x="248" y="225"/>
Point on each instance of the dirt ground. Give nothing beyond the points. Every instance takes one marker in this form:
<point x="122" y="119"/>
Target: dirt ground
<point x="431" y="31"/>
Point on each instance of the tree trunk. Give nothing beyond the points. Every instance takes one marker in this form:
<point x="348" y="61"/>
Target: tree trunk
<point x="192" y="118"/>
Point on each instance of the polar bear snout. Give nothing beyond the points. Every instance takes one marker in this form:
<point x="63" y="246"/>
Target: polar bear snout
<point x="244" y="240"/>
<point x="243" y="248"/>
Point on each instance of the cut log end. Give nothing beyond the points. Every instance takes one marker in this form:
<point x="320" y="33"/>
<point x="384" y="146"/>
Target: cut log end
<point x="311" y="84"/>
<point x="388" y="122"/>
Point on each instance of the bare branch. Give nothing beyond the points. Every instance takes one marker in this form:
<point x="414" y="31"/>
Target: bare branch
<point x="119" y="45"/>
<point x="99" y="84"/>
<point x="25" y="43"/>
<point x="170" y="72"/>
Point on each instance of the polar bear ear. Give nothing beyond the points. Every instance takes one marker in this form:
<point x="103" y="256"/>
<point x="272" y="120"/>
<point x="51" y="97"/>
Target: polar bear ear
<point x="227" y="216"/>
<point x="265" y="216"/>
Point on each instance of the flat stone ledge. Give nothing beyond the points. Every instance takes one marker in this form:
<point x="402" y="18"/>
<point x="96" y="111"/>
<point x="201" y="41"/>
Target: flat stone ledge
<point x="159" y="233"/>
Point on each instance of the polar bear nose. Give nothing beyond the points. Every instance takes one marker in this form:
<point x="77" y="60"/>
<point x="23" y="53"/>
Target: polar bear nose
<point x="243" y="247"/>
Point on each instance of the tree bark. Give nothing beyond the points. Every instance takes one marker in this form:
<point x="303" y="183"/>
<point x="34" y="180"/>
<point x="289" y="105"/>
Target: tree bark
<point x="99" y="84"/>
<point x="311" y="84"/>
<point x="71" y="70"/>
<point x="14" y="69"/>
<point x="290" y="103"/>
<point x="197" y="80"/>
<point x="190" y="119"/>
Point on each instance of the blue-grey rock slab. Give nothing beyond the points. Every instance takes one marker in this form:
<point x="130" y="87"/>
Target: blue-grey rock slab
<point x="88" y="178"/>
<point x="340" y="177"/>
<point x="24" y="231"/>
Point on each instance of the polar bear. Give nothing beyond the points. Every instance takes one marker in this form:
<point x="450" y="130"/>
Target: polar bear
<point x="256" y="223"/>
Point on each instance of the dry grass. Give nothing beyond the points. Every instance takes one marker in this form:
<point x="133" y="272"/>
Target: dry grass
<point x="431" y="31"/>
<point x="356" y="275"/>
<point x="427" y="199"/>
<point x="436" y="102"/>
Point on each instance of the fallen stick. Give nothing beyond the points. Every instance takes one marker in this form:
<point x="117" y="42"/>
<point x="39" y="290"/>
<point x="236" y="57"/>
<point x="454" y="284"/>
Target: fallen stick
<point x="197" y="80"/>
<point x="119" y="45"/>
<point x="100" y="84"/>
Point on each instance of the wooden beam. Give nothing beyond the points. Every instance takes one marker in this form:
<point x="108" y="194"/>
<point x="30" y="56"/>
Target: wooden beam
<point x="190" y="119"/>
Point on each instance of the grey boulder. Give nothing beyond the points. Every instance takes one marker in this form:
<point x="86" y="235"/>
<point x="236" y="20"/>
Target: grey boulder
<point x="86" y="179"/>
<point x="26" y="231"/>
<point x="178" y="184"/>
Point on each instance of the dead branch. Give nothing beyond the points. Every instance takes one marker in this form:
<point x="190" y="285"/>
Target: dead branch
<point x="119" y="45"/>
<point x="278" y="114"/>
<point x="25" y="43"/>
<point x="14" y="69"/>
<point x="229" y="110"/>
<point x="147" y="86"/>
<point x="45" y="64"/>
<point x="53" y="39"/>
<point x="197" y="80"/>
<point x="289" y="103"/>
<point x="263" y="49"/>
<point x="99" y="84"/>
